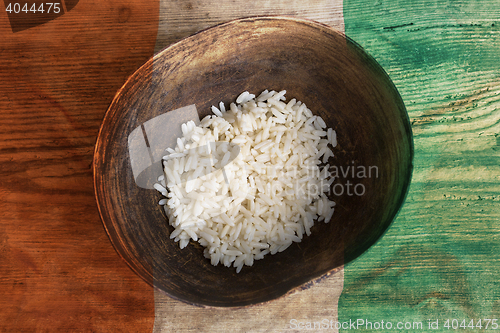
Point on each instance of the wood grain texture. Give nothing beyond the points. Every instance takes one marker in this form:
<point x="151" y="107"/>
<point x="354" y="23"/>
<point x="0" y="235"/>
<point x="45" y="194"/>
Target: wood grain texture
<point x="191" y="17"/>
<point x="440" y="259"/>
<point x="58" y="269"/>
<point x="180" y="18"/>
<point x="316" y="304"/>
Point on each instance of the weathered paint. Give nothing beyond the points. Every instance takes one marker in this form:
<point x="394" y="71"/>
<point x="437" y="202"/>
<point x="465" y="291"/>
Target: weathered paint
<point x="441" y="257"/>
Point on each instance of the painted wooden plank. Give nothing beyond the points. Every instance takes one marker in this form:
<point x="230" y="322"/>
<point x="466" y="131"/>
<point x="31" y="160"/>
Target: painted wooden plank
<point x="179" y="19"/>
<point x="304" y="309"/>
<point x="440" y="258"/>
<point x="58" y="270"/>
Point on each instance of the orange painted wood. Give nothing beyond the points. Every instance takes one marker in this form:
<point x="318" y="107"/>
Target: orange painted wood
<point x="58" y="269"/>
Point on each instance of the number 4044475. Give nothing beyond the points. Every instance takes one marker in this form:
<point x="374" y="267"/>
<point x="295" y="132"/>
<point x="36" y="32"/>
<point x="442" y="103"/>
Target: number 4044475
<point x="485" y="324"/>
<point x="47" y="7"/>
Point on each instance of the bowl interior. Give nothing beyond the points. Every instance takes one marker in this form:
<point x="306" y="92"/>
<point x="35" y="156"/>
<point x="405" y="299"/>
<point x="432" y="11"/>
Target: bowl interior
<point x="316" y="65"/>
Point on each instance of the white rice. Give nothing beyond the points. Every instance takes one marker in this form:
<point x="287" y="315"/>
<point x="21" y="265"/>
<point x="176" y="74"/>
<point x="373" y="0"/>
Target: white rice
<point x="264" y="199"/>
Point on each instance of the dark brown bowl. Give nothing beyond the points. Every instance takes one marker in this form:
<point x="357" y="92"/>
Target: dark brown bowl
<point x="318" y="66"/>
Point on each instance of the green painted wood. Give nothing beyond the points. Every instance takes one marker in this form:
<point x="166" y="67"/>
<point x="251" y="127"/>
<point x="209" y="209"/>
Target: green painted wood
<point x="441" y="257"/>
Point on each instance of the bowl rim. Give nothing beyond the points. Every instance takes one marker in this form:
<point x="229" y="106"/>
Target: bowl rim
<point x="99" y="147"/>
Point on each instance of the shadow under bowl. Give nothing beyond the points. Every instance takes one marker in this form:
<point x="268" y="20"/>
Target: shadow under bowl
<point x="324" y="69"/>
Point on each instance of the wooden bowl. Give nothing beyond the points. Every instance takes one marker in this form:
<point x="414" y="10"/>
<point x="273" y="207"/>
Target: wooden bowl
<point x="316" y="65"/>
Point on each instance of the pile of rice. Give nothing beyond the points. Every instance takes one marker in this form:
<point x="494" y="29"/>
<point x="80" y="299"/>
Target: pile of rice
<point x="264" y="199"/>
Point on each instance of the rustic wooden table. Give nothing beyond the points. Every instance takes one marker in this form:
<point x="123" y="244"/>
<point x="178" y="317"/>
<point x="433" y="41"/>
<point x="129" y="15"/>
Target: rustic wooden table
<point x="439" y="260"/>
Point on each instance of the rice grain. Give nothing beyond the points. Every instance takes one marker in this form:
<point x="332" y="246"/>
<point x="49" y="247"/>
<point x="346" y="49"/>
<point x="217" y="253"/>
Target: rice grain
<point x="264" y="199"/>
